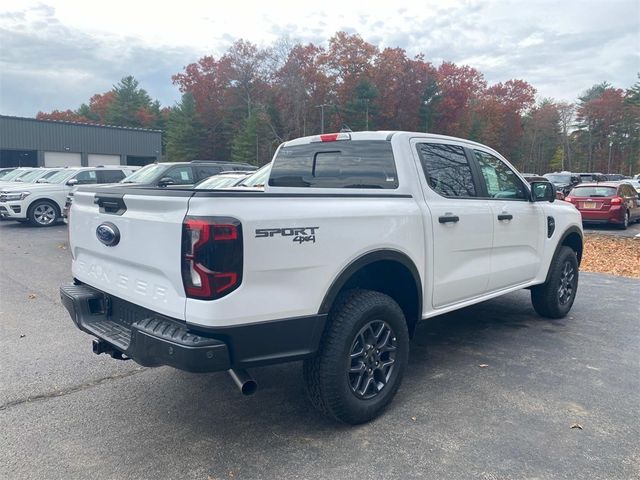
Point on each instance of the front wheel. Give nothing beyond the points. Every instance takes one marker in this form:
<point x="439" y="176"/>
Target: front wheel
<point x="362" y="357"/>
<point x="554" y="298"/>
<point x="43" y="213"/>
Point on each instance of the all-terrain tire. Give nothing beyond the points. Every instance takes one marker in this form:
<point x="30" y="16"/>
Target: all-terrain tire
<point x="555" y="297"/>
<point x="359" y="318"/>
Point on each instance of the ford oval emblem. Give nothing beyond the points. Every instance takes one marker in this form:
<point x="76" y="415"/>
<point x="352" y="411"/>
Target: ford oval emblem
<point x="108" y="234"/>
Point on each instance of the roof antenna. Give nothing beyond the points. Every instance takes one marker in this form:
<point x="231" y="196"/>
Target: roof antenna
<point x="345" y="129"/>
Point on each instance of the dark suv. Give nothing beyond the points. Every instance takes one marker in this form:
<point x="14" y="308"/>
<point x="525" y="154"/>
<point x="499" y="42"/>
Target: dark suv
<point x="181" y="174"/>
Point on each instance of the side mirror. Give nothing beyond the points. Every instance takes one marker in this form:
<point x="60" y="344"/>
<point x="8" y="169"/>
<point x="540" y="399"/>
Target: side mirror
<point x="72" y="182"/>
<point x="543" y="192"/>
<point x="164" y="181"/>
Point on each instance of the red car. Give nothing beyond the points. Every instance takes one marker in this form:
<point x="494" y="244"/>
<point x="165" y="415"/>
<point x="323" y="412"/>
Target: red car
<point x="606" y="202"/>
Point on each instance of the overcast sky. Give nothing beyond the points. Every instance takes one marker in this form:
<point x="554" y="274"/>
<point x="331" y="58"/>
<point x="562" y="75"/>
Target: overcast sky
<point x="56" y="54"/>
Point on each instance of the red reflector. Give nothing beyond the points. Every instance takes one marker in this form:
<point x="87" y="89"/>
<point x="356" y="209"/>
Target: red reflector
<point x="224" y="232"/>
<point x="329" y="137"/>
<point x="224" y="281"/>
<point x="616" y="201"/>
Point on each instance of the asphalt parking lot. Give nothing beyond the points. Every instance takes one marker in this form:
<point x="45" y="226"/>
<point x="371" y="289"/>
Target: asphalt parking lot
<point x="632" y="231"/>
<point x="492" y="393"/>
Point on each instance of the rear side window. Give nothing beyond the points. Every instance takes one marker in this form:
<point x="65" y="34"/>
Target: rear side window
<point x="447" y="169"/>
<point x="86" y="177"/>
<point x="343" y="164"/>
<point x="110" y="176"/>
<point x="205" y="171"/>
<point x="180" y="175"/>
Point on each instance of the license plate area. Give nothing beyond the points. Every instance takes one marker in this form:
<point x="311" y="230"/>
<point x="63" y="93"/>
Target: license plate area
<point x="589" y="205"/>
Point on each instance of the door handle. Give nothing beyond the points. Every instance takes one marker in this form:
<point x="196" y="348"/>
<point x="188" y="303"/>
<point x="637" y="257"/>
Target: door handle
<point x="505" y="216"/>
<point x="449" y="219"/>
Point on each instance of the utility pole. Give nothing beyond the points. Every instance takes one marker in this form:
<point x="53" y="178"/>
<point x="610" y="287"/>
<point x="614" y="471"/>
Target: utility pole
<point x="321" y="107"/>
<point x="426" y="117"/>
<point x="609" y="161"/>
<point x="366" y="101"/>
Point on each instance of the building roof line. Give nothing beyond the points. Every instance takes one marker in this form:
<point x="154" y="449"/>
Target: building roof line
<point x="85" y="124"/>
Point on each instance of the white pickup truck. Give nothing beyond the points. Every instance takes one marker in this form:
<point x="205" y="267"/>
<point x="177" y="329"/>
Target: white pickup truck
<point x="354" y="240"/>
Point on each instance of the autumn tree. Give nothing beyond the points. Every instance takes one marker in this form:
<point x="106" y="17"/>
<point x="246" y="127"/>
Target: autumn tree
<point x="347" y="62"/>
<point x="63" y="116"/>
<point x="600" y="114"/>
<point x="299" y="86"/>
<point x="402" y="83"/>
<point x="460" y="89"/>
<point x="497" y="116"/>
<point x="542" y="138"/>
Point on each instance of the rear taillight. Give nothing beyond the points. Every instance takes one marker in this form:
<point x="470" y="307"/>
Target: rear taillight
<point x="616" y="201"/>
<point x="211" y="256"/>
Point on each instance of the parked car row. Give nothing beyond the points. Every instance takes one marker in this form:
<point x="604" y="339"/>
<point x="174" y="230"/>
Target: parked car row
<point x="42" y="196"/>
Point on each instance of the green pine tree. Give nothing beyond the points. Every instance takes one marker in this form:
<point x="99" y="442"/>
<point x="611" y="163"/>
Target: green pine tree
<point x="129" y="101"/>
<point x="185" y="132"/>
<point x="245" y="143"/>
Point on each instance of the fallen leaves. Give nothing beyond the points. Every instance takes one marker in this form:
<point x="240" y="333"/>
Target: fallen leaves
<point x="31" y="296"/>
<point x="483" y="365"/>
<point x="613" y="255"/>
<point x="576" y="425"/>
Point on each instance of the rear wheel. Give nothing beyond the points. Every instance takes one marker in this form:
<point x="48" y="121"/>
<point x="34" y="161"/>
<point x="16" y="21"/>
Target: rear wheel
<point x="43" y="213"/>
<point x="625" y="221"/>
<point x="362" y="358"/>
<point x="554" y="298"/>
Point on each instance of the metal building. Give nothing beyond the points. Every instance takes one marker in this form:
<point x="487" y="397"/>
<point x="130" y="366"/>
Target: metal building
<point x="29" y="142"/>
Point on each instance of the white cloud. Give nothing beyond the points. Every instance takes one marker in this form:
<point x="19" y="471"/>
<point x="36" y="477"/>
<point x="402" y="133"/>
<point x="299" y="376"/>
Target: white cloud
<point x="57" y="53"/>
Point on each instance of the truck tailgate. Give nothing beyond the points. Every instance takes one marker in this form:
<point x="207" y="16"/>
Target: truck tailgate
<point x="143" y="267"/>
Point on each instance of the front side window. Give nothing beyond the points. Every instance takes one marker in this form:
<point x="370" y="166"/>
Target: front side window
<point x="447" y="169"/>
<point x="501" y="181"/>
<point x="341" y="164"/>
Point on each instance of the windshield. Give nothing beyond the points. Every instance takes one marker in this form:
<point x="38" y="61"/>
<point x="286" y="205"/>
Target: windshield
<point x="44" y="178"/>
<point x="220" y="181"/>
<point x="594" y="191"/>
<point x="146" y="174"/>
<point x="31" y="176"/>
<point x="15" y="174"/>
<point x="553" y="178"/>
<point x="258" y="178"/>
<point x="59" y="177"/>
<point x="4" y="174"/>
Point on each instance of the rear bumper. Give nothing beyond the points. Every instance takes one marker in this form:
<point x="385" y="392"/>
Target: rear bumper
<point x="152" y="339"/>
<point x="614" y="215"/>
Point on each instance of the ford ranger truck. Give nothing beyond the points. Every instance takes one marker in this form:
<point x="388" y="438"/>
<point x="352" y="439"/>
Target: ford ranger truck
<point x="355" y="239"/>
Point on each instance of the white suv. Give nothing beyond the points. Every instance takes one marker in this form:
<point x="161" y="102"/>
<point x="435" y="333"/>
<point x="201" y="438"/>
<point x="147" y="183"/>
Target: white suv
<point x="41" y="203"/>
